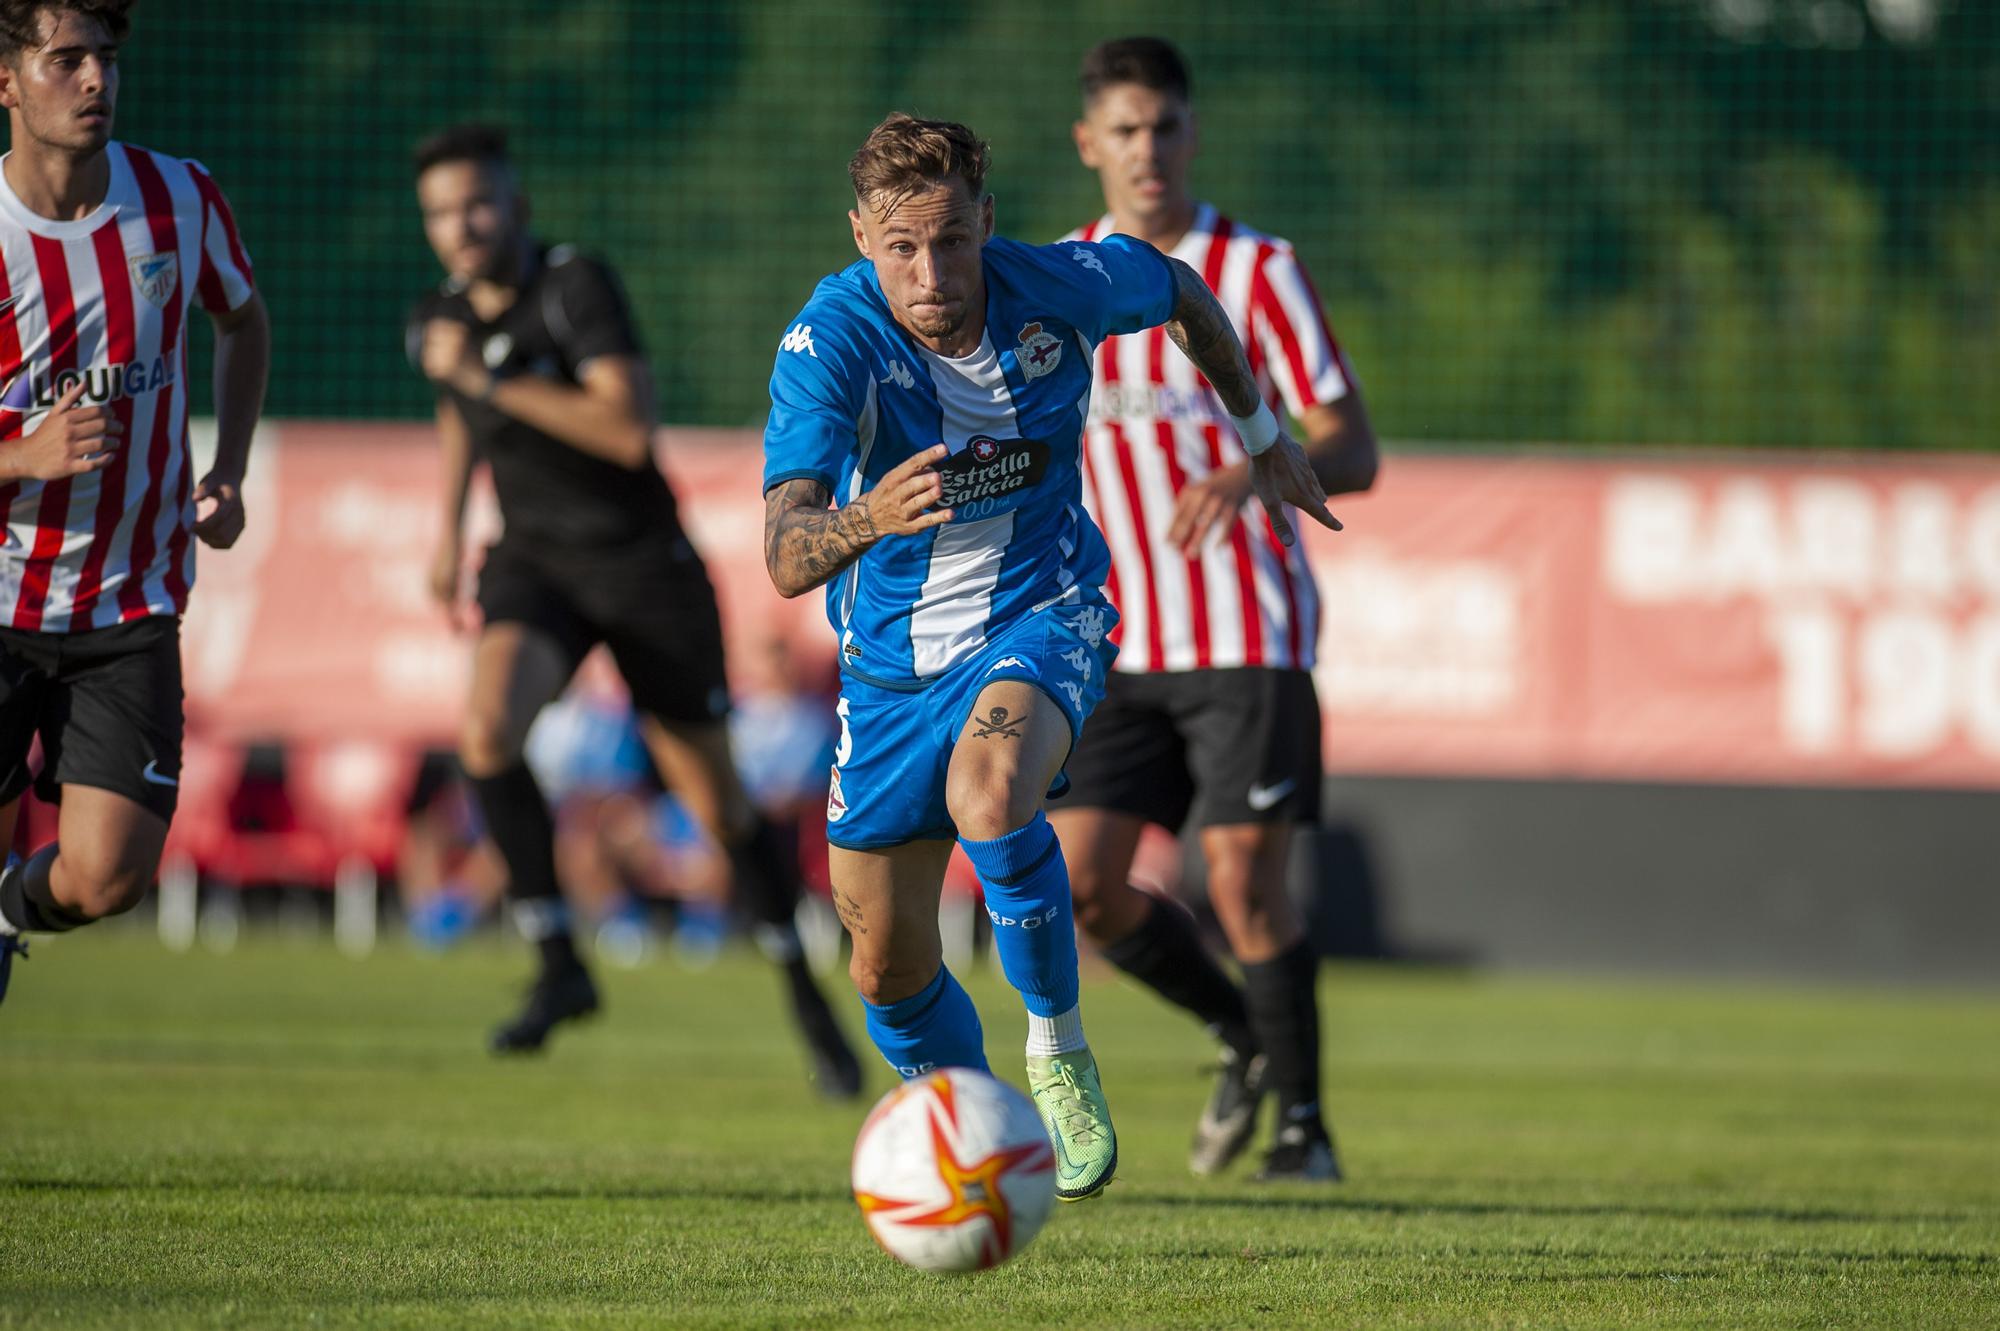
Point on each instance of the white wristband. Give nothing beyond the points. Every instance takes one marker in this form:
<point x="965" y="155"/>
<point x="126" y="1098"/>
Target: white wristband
<point x="1258" y="432"/>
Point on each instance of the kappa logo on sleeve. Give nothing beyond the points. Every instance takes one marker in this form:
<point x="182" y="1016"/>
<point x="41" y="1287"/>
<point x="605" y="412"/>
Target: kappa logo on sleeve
<point x="799" y="337"/>
<point x="1088" y="258"/>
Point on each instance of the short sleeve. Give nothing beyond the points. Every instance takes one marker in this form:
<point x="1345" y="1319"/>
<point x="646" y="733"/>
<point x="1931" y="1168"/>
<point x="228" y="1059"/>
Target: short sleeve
<point x="226" y="279"/>
<point x="1116" y="285"/>
<point x="811" y="432"/>
<point x="587" y="313"/>
<point x="1286" y="320"/>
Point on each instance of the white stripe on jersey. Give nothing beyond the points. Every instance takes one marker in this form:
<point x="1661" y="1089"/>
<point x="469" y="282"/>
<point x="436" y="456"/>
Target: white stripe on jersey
<point x="948" y="621"/>
<point x="1156" y="427"/>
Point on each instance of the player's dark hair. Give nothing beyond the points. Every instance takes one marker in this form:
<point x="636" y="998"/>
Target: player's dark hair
<point x="472" y="141"/>
<point x="904" y="154"/>
<point x="21" y="25"/>
<point x="1150" y="62"/>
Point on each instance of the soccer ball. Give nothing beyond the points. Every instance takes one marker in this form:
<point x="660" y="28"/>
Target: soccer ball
<point x="954" y="1172"/>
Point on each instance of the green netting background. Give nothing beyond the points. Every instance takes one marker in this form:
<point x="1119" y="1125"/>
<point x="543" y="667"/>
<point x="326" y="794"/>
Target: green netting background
<point x="1753" y="222"/>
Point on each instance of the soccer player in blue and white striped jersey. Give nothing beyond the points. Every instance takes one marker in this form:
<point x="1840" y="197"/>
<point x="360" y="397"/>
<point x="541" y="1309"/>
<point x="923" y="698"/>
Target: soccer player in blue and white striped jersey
<point x="939" y="389"/>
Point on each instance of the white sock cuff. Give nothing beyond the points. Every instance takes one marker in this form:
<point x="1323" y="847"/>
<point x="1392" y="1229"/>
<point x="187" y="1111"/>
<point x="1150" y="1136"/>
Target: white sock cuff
<point x="1060" y="1034"/>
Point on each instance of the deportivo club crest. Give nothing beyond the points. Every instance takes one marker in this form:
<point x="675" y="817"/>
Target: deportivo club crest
<point x="1039" y="352"/>
<point x="156" y="276"/>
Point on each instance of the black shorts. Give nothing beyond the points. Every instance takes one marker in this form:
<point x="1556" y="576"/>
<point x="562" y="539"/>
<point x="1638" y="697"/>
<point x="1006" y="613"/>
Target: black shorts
<point x="649" y="602"/>
<point x="107" y="704"/>
<point x="1217" y="746"/>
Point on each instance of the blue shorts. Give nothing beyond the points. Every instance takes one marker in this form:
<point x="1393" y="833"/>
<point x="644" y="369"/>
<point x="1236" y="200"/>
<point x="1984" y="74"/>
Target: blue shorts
<point x="896" y="745"/>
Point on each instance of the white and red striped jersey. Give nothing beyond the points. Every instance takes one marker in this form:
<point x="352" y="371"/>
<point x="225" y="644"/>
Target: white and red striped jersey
<point x="1156" y="426"/>
<point x="105" y="299"/>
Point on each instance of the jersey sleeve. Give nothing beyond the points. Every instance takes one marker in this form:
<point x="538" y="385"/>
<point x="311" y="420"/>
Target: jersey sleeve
<point x="1116" y="285"/>
<point x="1286" y="319"/>
<point x="588" y="315"/>
<point x="226" y="279"/>
<point x="815" y="408"/>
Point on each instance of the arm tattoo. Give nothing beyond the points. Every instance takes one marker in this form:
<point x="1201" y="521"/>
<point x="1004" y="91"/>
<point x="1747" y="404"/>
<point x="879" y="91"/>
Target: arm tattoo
<point x="805" y="542"/>
<point x="998" y="722"/>
<point x="1201" y="329"/>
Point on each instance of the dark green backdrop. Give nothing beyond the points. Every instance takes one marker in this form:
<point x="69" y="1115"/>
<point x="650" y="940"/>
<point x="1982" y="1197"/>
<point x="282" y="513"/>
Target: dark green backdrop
<point x="1706" y="221"/>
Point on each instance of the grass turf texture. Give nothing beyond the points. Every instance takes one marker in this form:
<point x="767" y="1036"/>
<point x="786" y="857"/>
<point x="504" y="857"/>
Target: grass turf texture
<point x="281" y="1137"/>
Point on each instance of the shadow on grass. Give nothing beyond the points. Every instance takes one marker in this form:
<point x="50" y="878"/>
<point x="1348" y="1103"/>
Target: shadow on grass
<point x="834" y="1194"/>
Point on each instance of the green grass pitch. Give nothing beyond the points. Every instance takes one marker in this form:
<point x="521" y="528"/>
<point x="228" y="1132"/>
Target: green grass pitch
<point x="282" y="1137"/>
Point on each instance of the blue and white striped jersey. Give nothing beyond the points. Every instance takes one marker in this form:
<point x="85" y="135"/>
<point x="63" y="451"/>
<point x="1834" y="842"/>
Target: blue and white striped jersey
<point x="853" y="395"/>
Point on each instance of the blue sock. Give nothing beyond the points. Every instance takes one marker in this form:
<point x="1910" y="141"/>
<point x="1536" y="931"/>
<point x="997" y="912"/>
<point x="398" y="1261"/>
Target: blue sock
<point x="1027" y="898"/>
<point x="936" y="1027"/>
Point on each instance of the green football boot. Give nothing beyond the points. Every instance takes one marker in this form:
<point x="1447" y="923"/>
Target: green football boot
<point x="1078" y="1120"/>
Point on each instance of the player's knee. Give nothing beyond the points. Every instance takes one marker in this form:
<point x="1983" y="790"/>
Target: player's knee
<point x="486" y="746"/>
<point x="882" y="980"/>
<point x="101" y="886"/>
<point x="987" y="803"/>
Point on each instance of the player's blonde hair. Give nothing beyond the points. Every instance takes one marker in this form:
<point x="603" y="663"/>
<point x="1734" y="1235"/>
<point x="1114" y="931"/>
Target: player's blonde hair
<point x="904" y="154"/>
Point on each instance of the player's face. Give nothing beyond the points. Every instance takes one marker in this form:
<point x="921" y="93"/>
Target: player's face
<point x="926" y="255"/>
<point x="63" y="92"/>
<point x="1141" y="142"/>
<point x="473" y="216"/>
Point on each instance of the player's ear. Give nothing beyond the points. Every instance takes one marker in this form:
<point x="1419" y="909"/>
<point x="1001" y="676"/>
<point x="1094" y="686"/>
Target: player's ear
<point x="860" y="236"/>
<point x="9" y="97"/>
<point x="1086" y="143"/>
<point x="986" y="218"/>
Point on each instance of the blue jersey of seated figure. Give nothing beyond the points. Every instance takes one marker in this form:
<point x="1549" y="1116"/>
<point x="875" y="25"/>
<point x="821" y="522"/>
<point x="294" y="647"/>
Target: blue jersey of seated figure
<point x="853" y="395"/>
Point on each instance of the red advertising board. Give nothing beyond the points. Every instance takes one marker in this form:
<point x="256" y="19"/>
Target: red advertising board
<point x="1708" y="619"/>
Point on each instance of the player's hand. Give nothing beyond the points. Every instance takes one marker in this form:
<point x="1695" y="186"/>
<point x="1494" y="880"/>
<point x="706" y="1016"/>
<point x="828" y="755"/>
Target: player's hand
<point x="900" y="503"/>
<point x="449" y="358"/>
<point x="1281" y="475"/>
<point x="1208" y="505"/>
<point x="70" y="441"/>
<point x="218" y="509"/>
<point x="445" y="570"/>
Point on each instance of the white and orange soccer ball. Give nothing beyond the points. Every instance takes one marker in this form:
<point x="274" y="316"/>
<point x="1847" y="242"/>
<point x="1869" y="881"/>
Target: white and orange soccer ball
<point x="954" y="1172"/>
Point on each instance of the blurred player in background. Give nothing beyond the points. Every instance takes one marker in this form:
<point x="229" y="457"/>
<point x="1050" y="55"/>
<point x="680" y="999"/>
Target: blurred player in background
<point x="106" y="248"/>
<point x="938" y="387"/>
<point x="539" y="372"/>
<point x="1210" y="715"/>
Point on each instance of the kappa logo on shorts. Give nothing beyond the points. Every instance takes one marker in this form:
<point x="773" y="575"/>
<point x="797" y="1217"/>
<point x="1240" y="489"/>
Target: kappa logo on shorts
<point x="1006" y="661"/>
<point x="1074" y="693"/>
<point x="1079" y="660"/>
<point x="1090" y="626"/>
<point x="836" y="803"/>
<point x="155" y="777"/>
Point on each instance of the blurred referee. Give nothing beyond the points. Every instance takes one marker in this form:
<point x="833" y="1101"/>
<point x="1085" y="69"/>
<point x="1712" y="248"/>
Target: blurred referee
<point x="540" y="374"/>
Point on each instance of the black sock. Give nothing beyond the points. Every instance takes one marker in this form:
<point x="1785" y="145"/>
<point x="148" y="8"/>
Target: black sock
<point x="518" y="820"/>
<point x="1165" y="954"/>
<point x="28" y="903"/>
<point x="769" y="881"/>
<point x="1284" y="1011"/>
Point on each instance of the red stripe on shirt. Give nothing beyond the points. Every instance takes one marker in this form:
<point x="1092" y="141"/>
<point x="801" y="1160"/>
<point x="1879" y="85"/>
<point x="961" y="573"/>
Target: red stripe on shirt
<point x="1122" y="448"/>
<point x="121" y="344"/>
<point x="1265" y="302"/>
<point x="213" y="296"/>
<point x="10" y="366"/>
<point x="53" y="515"/>
<point x="1169" y="445"/>
<point x="159" y="450"/>
<point x="179" y="573"/>
<point x="1239" y="536"/>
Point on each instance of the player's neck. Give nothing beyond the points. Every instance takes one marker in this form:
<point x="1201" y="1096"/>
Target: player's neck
<point x="56" y="184"/>
<point x="492" y="296"/>
<point x="1162" y="230"/>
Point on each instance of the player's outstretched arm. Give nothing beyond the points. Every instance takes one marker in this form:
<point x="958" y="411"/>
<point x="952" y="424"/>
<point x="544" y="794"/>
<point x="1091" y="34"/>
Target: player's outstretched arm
<point x="1279" y="470"/>
<point x="806" y="544"/>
